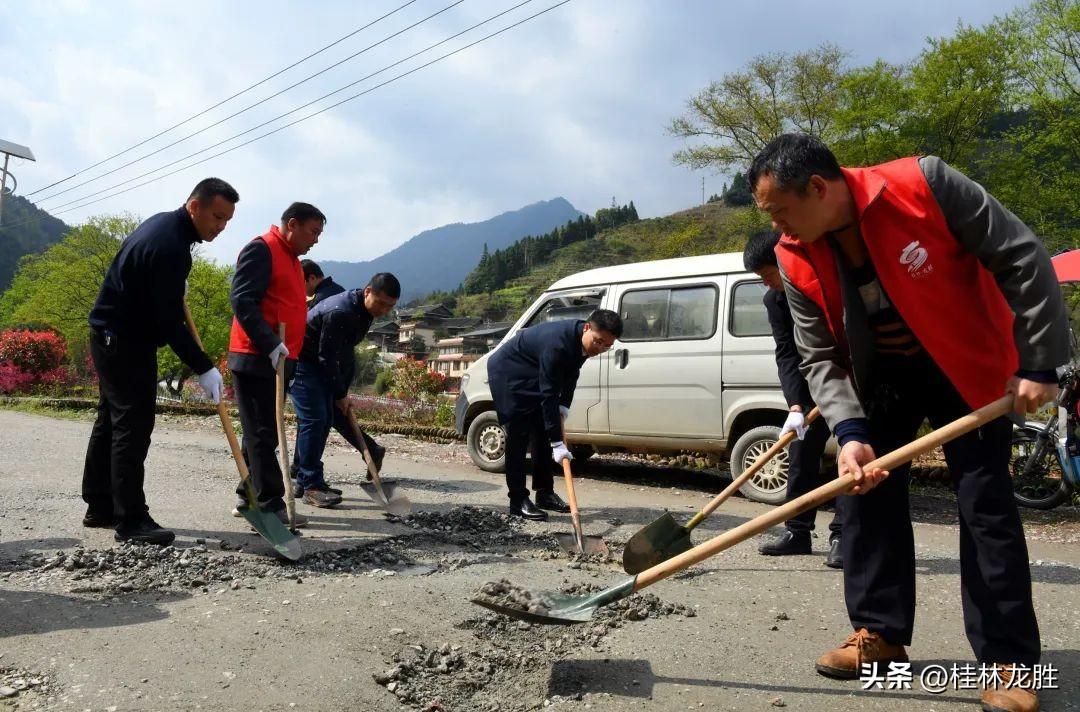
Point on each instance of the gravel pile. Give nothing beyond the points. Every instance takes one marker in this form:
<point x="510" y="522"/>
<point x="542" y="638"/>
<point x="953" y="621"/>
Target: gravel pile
<point x="23" y="689"/>
<point x="135" y="568"/>
<point x="489" y="677"/>
<point x="506" y="594"/>
<point x="473" y="524"/>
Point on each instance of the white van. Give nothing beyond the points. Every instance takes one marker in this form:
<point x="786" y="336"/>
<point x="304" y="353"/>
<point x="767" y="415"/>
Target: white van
<point x="694" y="369"/>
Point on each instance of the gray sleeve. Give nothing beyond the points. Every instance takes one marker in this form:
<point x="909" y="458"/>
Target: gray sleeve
<point x="822" y="365"/>
<point x="1014" y="255"/>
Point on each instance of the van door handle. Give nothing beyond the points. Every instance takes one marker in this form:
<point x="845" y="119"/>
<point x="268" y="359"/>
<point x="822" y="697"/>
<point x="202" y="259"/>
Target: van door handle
<point x="622" y="357"/>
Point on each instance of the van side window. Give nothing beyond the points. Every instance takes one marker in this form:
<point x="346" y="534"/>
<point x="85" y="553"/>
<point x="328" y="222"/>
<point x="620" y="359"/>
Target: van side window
<point x="669" y="314"/>
<point x="578" y="306"/>
<point x="748" y="316"/>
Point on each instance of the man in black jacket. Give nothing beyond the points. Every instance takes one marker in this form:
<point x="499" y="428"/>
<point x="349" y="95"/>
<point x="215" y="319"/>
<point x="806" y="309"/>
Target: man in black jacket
<point x="804" y="454"/>
<point x="320" y="391"/>
<point x="317" y="285"/>
<point x="533" y="376"/>
<point x="140" y="308"/>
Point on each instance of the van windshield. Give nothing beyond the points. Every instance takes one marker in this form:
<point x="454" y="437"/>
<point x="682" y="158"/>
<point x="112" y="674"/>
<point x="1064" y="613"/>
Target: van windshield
<point x="568" y="306"/>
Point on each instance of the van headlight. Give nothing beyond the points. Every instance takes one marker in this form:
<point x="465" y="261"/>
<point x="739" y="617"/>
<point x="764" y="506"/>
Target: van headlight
<point x="464" y="380"/>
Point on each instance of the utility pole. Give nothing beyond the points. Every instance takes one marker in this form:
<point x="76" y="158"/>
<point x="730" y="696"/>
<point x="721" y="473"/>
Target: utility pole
<point x="702" y="190"/>
<point x="10" y="149"/>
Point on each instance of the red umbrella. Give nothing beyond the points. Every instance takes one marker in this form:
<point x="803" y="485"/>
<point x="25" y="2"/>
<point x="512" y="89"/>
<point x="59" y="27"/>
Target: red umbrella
<point x="1067" y="266"/>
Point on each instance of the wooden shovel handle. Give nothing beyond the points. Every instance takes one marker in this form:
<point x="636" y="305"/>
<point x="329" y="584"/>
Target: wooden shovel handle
<point x="374" y="471"/>
<point x="575" y="517"/>
<point x="223" y="411"/>
<point x="822" y="494"/>
<point x="749" y="472"/>
<point x="283" y="446"/>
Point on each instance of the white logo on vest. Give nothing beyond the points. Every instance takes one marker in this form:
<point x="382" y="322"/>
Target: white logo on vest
<point x="915" y="258"/>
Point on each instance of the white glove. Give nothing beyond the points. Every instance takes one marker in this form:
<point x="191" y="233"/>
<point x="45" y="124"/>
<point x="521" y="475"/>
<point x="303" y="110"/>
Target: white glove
<point x="564" y="412"/>
<point x="559" y="452"/>
<point x="211" y="382"/>
<point x="277" y="354"/>
<point x="795" y="423"/>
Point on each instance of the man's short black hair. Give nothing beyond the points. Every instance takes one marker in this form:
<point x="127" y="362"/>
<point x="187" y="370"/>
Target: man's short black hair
<point x="386" y="283"/>
<point x="791" y="159"/>
<point x="606" y="320"/>
<point x="302" y="212"/>
<point x="205" y="190"/>
<point x="311" y="269"/>
<point x="759" y="252"/>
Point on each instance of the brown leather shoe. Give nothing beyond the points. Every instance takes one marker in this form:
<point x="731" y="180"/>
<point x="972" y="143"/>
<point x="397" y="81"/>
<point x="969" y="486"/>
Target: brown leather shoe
<point x="1003" y="697"/>
<point x="862" y="646"/>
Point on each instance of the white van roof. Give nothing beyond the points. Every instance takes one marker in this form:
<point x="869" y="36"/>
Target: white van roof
<point x="726" y="263"/>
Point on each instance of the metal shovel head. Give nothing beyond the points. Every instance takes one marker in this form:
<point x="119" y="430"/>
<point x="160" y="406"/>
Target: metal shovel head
<point x="565" y="610"/>
<point x="593" y="544"/>
<point x="658" y="542"/>
<point x="395" y="503"/>
<point x="277" y="534"/>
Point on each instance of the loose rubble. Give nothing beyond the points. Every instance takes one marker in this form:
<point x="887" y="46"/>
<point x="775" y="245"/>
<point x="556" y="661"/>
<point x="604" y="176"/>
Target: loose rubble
<point x="24" y="689"/>
<point x="480" y="678"/>
<point x="506" y="594"/>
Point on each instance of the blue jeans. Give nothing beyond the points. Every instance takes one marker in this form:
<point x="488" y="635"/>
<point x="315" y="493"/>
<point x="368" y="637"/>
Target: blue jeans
<point x="313" y="399"/>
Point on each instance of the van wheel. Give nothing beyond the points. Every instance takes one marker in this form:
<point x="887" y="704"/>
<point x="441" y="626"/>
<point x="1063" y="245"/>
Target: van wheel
<point x="486" y="441"/>
<point x="769" y="485"/>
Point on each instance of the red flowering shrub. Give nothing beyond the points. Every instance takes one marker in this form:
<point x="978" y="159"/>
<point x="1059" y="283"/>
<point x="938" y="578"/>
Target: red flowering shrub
<point x="33" y="352"/>
<point x="412" y="379"/>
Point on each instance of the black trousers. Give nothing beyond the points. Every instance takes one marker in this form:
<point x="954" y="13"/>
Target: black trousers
<point x="804" y="475"/>
<point x="114" y="469"/>
<point x="878" y="543"/>
<point x="255" y="399"/>
<point x="520" y="433"/>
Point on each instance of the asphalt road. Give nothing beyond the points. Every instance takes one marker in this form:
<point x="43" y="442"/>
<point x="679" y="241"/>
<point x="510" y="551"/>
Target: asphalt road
<point x="273" y="642"/>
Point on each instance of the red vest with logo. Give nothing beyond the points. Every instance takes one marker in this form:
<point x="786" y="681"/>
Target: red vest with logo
<point x="285" y="299"/>
<point x="948" y="299"/>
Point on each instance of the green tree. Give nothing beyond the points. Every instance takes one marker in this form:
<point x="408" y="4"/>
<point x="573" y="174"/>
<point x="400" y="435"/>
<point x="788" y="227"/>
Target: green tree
<point x="735" y="117"/>
<point x="58" y="287"/>
<point x="873" y="112"/>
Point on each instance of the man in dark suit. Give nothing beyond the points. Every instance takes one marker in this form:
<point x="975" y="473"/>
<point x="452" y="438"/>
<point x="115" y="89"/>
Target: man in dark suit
<point x="533" y="376"/>
<point x="804" y="455"/>
<point x="317" y="285"/>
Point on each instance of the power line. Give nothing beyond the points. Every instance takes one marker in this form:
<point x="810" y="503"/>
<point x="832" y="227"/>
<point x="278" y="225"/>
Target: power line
<point x="59" y="208"/>
<point x="223" y="101"/>
<point x="249" y="107"/>
<point x="316" y="113"/>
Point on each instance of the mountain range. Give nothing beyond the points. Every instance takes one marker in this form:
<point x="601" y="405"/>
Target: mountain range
<point x="439" y="259"/>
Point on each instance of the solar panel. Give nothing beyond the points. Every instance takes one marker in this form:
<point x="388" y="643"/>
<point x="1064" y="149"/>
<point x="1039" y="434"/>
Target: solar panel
<point x="16" y="150"/>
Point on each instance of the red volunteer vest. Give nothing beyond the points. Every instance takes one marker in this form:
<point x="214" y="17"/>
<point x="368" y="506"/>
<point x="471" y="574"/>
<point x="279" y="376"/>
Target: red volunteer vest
<point x="947" y="298"/>
<point x="285" y="299"/>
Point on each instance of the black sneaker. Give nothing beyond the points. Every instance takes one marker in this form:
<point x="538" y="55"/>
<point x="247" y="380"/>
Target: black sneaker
<point x="526" y="509"/>
<point x="146" y="531"/>
<point x="547" y="499"/>
<point x="787" y="544"/>
<point x="99" y="519"/>
<point x="835" y="558"/>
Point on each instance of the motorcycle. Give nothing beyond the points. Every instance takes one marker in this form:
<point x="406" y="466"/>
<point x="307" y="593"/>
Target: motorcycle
<point x="1045" y="461"/>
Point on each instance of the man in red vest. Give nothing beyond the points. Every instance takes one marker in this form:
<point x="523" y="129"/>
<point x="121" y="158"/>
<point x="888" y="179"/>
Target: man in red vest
<point x="268" y="290"/>
<point x="916" y="295"/>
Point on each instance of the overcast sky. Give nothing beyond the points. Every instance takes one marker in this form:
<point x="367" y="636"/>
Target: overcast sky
<point x="572" y="103"/>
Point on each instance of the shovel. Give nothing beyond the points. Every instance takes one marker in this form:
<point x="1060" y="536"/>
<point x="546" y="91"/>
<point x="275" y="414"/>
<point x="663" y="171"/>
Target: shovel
<point x="577" y="543"/>
<point x="283" y="447"/>
<point x="665" y="537"/>
<point x="268" y="526"/>
<point x="565" y="610"/>
<point x="384" y="495"/>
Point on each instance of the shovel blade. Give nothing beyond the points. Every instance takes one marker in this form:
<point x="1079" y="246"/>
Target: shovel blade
<point x="565" y="610"/>
<point x="593" y="544"/>
<point x="395" y="503"/>
<point x="656" y="543"/>
<point x="270" y="528"/>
